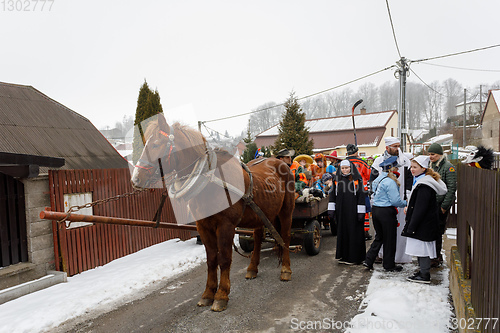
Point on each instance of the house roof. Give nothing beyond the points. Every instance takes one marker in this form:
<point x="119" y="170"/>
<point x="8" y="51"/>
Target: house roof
<point x="338" y="131"/>
<point x="493" y="97"/>
<point x="32" y="123"/>
<point x="342" y="123"/>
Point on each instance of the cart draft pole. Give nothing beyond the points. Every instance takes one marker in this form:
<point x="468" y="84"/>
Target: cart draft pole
<point x="71" y="217"/>
<point x="353" y="124"/>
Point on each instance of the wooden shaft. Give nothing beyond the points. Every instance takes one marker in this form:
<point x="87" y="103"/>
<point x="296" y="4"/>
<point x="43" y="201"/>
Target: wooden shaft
<point x="50" y="215"/>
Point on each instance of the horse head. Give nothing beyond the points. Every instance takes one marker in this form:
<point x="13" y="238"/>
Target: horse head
<point x="169" y="152"/>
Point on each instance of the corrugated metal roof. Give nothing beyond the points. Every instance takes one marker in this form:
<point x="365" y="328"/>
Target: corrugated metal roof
<point x="32" y="123"/>
<point x="343" y="123"/>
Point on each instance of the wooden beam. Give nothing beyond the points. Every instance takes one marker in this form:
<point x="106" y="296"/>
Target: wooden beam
<point x="25" y="159"/>
<point x="21" y="171"/>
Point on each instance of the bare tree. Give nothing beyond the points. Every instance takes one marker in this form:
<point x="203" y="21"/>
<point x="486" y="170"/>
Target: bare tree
<point x="369" y="93"/>
<point x="453" y="91"/>
<point x="389" y="95"/>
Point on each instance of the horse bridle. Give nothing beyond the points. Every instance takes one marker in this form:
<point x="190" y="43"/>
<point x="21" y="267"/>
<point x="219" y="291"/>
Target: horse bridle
<point x="156" y="170"/>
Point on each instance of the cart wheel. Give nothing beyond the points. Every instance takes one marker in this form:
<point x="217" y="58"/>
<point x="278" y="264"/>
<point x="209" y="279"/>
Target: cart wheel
<point x="312" y="240"/>
<point x="246" y="244"/>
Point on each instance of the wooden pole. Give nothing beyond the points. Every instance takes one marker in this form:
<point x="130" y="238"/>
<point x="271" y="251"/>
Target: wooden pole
<point x="50" y="215"/>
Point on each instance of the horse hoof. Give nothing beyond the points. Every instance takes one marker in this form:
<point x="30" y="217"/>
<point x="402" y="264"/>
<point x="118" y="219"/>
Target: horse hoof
<point x="205" y="302"/>
<point x="251" y="275"/>
<point x="219" y="305"/>
<point x="286" y="276"/>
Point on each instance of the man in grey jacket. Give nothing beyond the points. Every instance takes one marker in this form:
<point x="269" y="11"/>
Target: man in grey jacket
<point x="448" y="174"/>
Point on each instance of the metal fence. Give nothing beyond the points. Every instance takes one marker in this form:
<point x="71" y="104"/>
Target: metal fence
<point x="82" y="248"/>
<point x="478" y="237"/>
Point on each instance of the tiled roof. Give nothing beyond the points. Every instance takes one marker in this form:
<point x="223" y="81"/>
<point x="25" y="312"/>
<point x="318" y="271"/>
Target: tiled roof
<point x="32" y="123"/>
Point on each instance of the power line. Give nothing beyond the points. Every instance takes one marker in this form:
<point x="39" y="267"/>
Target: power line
<point x="308" y="96"/>
<point x="457" y="53"/>
<point x="392" y="26"/>
<point x="465" y="69"/>
<point x="428" y="86"/>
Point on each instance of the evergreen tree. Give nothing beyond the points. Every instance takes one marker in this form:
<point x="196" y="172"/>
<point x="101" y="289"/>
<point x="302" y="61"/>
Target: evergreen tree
<point x="250" y="149"/>
<point x="292" y="131"/>
<point x="148" y="105"/>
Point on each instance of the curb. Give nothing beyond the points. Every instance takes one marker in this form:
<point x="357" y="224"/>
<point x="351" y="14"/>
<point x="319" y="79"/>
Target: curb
<point x="461" y="291"/>
<point x="52" y="278"/>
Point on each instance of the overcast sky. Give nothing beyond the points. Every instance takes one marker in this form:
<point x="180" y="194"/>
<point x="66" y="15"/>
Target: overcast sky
<point x="212" y="59"/>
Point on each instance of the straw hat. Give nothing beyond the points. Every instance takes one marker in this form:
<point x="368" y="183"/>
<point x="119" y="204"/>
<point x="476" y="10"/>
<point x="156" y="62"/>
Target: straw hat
<point x="308" y="159"/>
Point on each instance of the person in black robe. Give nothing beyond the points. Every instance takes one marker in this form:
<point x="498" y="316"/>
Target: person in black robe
<point x="347" y="206"/>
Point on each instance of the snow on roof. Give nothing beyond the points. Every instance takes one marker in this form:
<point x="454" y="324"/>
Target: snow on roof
<point x="343" y="123"/>
<point x="440" y="138"/>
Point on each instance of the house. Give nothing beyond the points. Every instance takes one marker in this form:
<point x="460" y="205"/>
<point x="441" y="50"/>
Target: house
<point x="335" y="133"/>
<point x="490" y="121"/>
<point x="38" y="134"/>
<point x="474" y="107"/>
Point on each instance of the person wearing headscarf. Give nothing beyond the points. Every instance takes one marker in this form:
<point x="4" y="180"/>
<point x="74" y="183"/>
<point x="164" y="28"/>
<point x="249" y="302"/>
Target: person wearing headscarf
<point x="347" y="205"/>
<point x="385" y="200"/>
<point x="405" y="179"/>
<point x="422" y="216"/>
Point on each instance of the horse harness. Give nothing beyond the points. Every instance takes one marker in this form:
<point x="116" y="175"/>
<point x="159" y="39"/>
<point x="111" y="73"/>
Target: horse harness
<point x="204" y="173"/>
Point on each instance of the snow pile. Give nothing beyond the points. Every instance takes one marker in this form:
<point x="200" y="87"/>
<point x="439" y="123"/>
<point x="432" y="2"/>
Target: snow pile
<point x="101" y="287"/>
<point x="393" y="304"/>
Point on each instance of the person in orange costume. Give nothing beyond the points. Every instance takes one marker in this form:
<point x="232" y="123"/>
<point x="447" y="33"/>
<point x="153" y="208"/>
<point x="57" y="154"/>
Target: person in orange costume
<point x="318" y="169"/>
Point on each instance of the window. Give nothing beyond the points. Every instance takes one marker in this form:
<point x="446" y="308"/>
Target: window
<point x="362" y="154"/>
<point x="392" y="131"/>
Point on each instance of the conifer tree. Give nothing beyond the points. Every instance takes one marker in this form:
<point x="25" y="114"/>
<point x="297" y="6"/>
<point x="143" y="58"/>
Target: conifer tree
<point x="292" y="131"/>
<point x="148" y="105"/>
<point x="250" y="148"/>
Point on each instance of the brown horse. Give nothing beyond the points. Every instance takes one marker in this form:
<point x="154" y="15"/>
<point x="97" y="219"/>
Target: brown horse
<point x="218" y="181"/>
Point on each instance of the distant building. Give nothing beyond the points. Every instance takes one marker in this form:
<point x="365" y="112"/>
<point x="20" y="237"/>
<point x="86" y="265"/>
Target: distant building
<point x="490" y="121"/>
<point x="474" y="107"/>
<point x="335" y="133"/>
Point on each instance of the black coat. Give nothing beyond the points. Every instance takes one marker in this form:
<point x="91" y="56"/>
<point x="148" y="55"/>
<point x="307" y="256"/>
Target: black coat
<point x="422" y="214"/>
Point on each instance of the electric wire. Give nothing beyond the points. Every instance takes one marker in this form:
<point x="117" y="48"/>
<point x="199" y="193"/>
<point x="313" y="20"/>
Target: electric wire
<point x="301" y="98"/>
<point x="457" y="53"/>
<point x="392" y="26"/>
<point x="465" y="69"/>
<point x="428" y="86"/>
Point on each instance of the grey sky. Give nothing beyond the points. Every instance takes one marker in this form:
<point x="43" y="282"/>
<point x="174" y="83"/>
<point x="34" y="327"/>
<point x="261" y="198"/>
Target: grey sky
<point x="210" y="59"/>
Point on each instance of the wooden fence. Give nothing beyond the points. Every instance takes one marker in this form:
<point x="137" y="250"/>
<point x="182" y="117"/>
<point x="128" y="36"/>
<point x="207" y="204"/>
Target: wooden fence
<point x="82" y="248"/>
<point x="478" y="237"/>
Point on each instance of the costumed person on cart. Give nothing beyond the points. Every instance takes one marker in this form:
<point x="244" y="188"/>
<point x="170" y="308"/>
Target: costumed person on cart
<point x="365" y="172"/>
<point x="347" y="206"/>
<point x="318" y="169"/>
<point x="405" y="178"/>
<point x="299" y="168"/>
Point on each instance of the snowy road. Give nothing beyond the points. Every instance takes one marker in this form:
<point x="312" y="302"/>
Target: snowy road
<point x="320" y="289"/>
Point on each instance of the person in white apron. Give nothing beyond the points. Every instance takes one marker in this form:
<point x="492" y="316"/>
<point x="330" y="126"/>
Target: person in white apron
<point x="405" y="179"/>
<point x="422" y="216"/>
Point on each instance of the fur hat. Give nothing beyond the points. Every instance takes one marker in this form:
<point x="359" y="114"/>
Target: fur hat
<point x="351" y="149"/>
<point x="435" y="148"/>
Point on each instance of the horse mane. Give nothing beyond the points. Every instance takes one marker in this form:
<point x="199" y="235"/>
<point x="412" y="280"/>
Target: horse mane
<point x="197" y="140"/>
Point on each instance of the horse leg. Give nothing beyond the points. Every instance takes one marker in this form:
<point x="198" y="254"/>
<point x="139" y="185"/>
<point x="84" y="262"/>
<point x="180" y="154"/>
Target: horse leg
<point x="285" y="217"/>
<point x="225" y="236"/>
<point x="209" y="240"/>
<point x="253" y="269"/>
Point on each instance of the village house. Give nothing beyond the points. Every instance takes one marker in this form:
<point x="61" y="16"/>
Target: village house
<point x="490" y="121"/>
<point x="38" y="134"/>
<point x="335" y="133"/>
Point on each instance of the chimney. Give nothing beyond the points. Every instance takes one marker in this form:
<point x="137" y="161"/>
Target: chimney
<point x="362" y="110"/>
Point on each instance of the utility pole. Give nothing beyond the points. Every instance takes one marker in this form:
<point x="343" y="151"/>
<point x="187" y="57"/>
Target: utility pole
<point x="401" y="74"/>
<point x="465" y="112"/>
